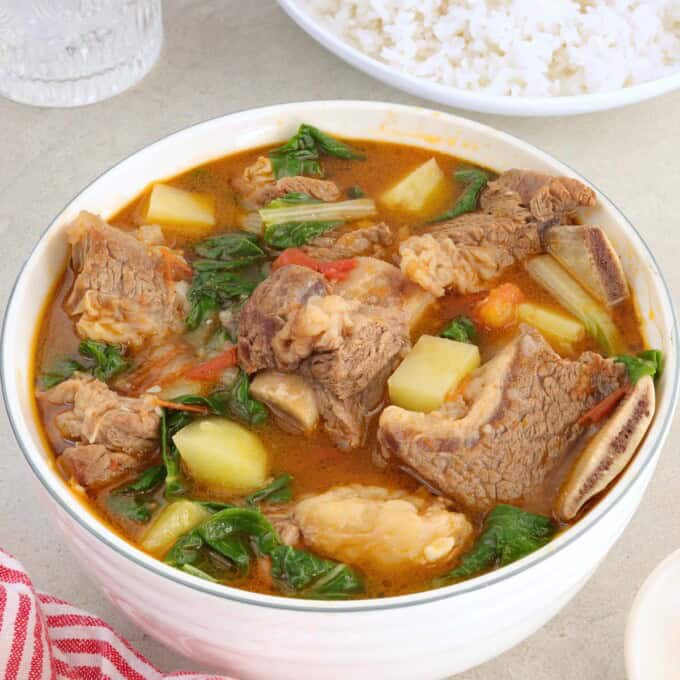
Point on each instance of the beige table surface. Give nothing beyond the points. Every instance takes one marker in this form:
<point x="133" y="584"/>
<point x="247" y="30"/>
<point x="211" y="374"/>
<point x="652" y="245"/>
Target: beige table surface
<point x="222" y="56"/>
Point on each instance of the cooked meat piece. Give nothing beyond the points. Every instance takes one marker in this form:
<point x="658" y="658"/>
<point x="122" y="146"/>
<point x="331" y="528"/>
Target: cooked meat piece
<point x="515" y="419"/>
<point x="293" y="323"/>
<point x="281" y="518"/>
<point x="384" y="529"/>
<point x="124" y="291"/>
<point x="257" y="185"/>
<point x="94" y="466"/>
<point x="339" y="245"/>
<point x="534" y="196"/>
<point x="346" y="420"/>
<point x="100" y="416"/>
<point x="464" y="253"/>
<point x="274" y="303"/>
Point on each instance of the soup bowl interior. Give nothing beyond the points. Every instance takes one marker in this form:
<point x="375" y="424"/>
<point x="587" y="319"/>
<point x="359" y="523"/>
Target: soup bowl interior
<point x="202" y="623"/>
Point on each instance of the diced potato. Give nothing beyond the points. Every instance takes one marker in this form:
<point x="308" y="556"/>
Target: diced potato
<point x="552" y="323"/>
<point x="289" y="396"/>
<point x="221" y="454"/>
<point x="187" y="213"/>
<point x="414" y="191"/>
<point x="173" y="521"/>
<point x="430" y="371"/>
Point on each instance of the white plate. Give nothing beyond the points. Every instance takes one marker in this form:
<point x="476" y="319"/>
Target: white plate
<point x="466" y="99"/>
<point x="653" y="630"/>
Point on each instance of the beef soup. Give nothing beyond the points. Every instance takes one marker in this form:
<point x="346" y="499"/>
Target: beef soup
<point x="343" y="369"/>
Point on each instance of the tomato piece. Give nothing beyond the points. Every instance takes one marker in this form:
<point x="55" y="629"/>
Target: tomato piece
<point x="500" y="307"/>
<point x="338" y="270"/>
<point x="212" y="369"/>
<point x="295" y="256"/>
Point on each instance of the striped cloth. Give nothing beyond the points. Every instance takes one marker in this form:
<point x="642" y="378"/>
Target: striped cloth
<point x="44" y="638"/>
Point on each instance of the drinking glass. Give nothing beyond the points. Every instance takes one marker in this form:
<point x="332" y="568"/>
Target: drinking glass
<point x="75" y="52"/>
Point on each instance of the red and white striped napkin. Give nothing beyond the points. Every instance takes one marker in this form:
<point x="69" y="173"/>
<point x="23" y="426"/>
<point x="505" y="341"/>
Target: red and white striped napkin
<point x="44" y="638"/>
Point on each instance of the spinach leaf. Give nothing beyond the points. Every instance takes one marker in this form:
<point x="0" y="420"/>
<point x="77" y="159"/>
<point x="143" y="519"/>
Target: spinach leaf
<point x="195" y="571"/>
<point x="103" y="362"/>
<point x="237" y="403"/>
<point x="648" y="362"/>
<point x="475" y="180"/>
<point x="149" y="479"/>
<point x="509" y="534"/>
<point x="108" y="359"/>
<point x="239" y="534"/>
<point x="296" y="234"/>
<point x="62" y="370"/>
<point x="134" y="500"/>
<point x="212" y="288"/>
<point x="171" y="423"/>
<point x="300" y="154"/>
<point x="292" y="198"/>
<point x="461" y="329"/>
<point x="235" y="245"/>
<point x="277" y="491"/>
<point x="355" y="192"/>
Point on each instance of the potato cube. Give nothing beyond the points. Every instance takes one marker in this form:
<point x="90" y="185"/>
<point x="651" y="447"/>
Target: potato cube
<point x="173" y="521"/>
<point x="221" y="454"/>
<point x="413" y="192"/>
<point x="186" y="213"/>
<point x="431" y="370"/>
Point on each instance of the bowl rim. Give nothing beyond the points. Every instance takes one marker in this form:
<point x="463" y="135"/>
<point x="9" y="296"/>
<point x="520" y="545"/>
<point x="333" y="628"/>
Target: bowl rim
<point x="66" y="500"/>
<point x="467" y="99"/>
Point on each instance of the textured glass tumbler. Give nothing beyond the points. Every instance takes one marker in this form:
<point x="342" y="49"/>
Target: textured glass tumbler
<point x="75" y="52"/>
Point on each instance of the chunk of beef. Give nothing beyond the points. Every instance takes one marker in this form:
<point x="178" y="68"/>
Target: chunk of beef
<point x="257" y="185"/>
<point x="511" y="426"/>
<point x="534" y="196"/>
<point x="94" y="466"/>
<point x="113" y="434"/>
<point x="124" y="291"/>
<point x="273" y="304"/>
<point x="343" y="347"/>
<point x="465" y="253"/>
<point x="373" y="240"/>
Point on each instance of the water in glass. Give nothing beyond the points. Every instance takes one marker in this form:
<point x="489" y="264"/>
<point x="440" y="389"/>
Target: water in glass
<point x="74" y="52"/>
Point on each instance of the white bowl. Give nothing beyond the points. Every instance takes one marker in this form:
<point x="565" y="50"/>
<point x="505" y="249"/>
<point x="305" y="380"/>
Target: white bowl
<point x="467" y="99"/>
<point x="424" y="635"/>
<point x="653" y="629"/>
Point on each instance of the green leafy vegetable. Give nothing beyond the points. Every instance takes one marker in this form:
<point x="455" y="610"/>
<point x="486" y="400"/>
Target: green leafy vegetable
<point x="238" y="534"/>
<point x="317" y="211"/>
<point x="509" y="534"/>
<point x="237" y="403"/>
<point x="62" y="370"/>
<point x="214" y="287"/>
<point x="278" y="491"/>
<point x="235" y="245"/>
<point x="355" y="192"/>
<point x="103" y="362"/>
<point x="300" y="154"/>
<point x="292" y="198"/>
<point x="461" y="329"/>
<point x="648" y="362"/>
<point x="295" y="234"/>
<point x="475" y="180"/>
<point x="134" y="500"/>
<point x="108" y="359"/>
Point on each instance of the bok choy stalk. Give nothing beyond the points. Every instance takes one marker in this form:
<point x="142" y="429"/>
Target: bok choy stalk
<point x="547" y="272"/>
<point x="232" y="537"/>
<point x="318" y="211"/>
<point x="509" y="534"/>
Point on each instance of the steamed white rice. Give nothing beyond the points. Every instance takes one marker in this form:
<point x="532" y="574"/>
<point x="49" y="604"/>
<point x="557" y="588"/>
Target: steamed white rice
<point x="514" y="47"/>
